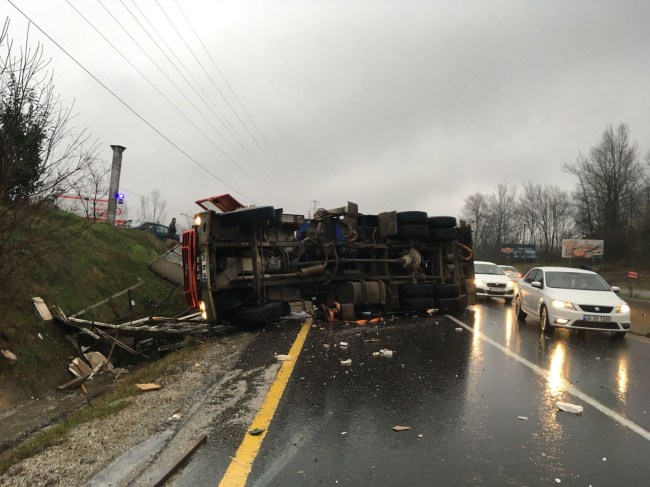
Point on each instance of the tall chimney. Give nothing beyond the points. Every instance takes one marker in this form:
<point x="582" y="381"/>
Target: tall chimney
<point x="115" y="183"/>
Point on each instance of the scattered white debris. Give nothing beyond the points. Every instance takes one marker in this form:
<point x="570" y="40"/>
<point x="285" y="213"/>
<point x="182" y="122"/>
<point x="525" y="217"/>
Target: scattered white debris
<point x="569" y="408"/>
<point x="604" y="459"/>
<point x="343" y="344"/>
<point x="384" y="352"/>
<point x="558" y="481"/>
<point x="597" y="358"/>
<point x="344" y="432"/>
<point x="420" y="435"/>
<point x="40" y="336"/>
<point x="326" y="345"/>
<point x="175" y="417"/>
<point x="458" y="329"/>
<point x="10" y="356"/>
<point x="401" y="428"/>
<point x="346" y="362"/>
<point x="283" y="358"/>
<point x="375" y="354"/>
<point x="523" y="418"/>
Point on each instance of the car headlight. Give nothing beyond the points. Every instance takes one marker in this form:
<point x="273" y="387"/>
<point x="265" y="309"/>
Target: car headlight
<point x="510" y="284"/>
<point x="622" y="308"/>
<point x="478" y="282"/>
<point x="558" y="303"/>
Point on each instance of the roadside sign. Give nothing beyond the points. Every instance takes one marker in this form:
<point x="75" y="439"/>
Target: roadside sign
<point x="632" y="275"/>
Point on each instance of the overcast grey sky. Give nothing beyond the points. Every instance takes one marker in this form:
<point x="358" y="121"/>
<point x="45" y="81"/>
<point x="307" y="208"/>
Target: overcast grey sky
<point x="394" y="105"/>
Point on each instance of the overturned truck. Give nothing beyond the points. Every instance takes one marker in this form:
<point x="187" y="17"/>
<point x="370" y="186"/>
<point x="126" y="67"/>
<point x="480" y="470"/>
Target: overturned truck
<point x="248" y="265"/>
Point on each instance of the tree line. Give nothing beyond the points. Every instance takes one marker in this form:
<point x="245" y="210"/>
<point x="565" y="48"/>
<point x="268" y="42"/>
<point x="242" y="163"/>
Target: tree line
<point x="610" y="201"/>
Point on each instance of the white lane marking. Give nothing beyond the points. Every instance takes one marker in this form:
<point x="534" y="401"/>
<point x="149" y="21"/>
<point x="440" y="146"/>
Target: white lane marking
<point x="568" y="387"/>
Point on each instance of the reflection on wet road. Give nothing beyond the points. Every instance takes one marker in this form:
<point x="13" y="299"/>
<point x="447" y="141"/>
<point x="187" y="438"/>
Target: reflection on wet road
<point x="480" y="398"/>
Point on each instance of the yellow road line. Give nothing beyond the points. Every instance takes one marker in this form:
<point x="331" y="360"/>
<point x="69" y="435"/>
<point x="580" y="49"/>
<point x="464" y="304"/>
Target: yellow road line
<point x="241" y="465"/>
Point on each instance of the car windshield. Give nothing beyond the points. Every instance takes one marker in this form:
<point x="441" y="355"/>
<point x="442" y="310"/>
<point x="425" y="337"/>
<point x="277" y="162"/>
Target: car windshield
<point x="576" y="280"/>
<point x="485" y="268"/>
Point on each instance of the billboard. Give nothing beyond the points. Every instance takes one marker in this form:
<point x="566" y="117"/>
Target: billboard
<point x="519" y="251"/>
<point x="85" y="206"/>
<point x="582" y="248"/>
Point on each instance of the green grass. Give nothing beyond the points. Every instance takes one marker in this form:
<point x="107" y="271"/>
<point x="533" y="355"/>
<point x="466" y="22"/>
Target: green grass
<point x="110" y="403"/>
<point x="88" y="263"/>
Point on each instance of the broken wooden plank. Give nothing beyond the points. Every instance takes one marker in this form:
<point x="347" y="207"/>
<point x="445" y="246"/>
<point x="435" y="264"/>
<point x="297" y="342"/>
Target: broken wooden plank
<point x="181" y="460"/>
<point x="104" y="301"/>
<point x="148" y="387"/>
<point x="74" y="383"/>
<point x="42" y="309"/>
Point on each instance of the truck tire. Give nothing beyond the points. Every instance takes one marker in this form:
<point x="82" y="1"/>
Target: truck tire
<point x="417" y="304"/>
<point x="415" y="291"/>
<point x="441" y="222"/>
<point x="259" y="314"/>
<point x="444" y="291"/>
<point x="448" y="303"/>
<point x="443" y="234"/>
<point x="412" y="217"/>
<point x="413" y="231"/>
<point x="246" y="216"/>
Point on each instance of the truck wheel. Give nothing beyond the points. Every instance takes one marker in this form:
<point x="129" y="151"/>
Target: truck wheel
<point x="441" y="222"/>
<point x="416" y="304"/>
<point x="415" y="291"/>
<point x="443" y="234"/>
<point x="412" y="217"/>
<point x="413" y="231"/>
<point x="259" y="314"/>
<point x="447" y="291"/>
<point x="244" y="216"/>
<point x="448" y="303"/>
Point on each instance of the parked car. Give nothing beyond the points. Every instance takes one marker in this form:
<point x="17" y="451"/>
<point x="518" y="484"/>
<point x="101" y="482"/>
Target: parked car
<point x="492" y="281"/>
<point x="160" y="231"/>
<point x="512" y="272"/>
<point x="571" y="298"/>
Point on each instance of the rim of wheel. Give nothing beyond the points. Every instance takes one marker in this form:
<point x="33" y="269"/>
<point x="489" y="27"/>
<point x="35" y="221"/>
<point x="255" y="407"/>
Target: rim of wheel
<point x="543" y="318"/>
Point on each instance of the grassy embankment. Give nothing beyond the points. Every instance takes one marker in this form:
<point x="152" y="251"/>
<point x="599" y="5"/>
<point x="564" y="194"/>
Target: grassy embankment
<point x="94" y="263"/>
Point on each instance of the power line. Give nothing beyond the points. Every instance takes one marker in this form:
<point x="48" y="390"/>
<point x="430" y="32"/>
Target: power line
<point x="162" y="94"/>
<point x="191" y="51"/>
<point x="126" y="105"/>
<point x="239" y="102"/>
<point x="190" y="85"/>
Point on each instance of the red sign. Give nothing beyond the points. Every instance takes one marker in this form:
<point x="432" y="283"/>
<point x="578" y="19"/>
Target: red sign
<point x="632" y="274"/>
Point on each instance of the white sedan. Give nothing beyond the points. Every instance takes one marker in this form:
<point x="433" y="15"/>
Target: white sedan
<point x="492" y="282"/>
<point x="571" y="298"/>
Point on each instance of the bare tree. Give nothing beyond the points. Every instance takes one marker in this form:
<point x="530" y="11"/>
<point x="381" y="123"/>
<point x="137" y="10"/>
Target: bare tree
<point x="475" y="212"/>
<point x="153" y="208"/>
<point x="40" y="152"/>
<point x="610" y="188"/>
<point x="500" y="227"/>
<point x="92" y="186"/>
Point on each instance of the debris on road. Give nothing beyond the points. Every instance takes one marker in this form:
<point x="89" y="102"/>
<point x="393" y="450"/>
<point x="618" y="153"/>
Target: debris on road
<point x="283" y="358"/>
<point x="343" y="344"/>
<point x="371" y="340"/>
<point x="420" y="435"/>
<point x="148" y="387"/>
<point x="346" y="362"/>
<point x="458" y="329"/>
<point x="256" y="431"/>
<point x="89" y="363"/>
<point x="399" y="428"/>
<point x="384" y="352"/>
<point x="569" y="408"/>
<point x="558" y="481"/>
<point x="523" y="418"/>
<point x="175" y="417"/>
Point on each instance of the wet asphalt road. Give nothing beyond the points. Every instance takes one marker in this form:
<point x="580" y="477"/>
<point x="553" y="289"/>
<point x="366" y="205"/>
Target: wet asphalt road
<point x="461" y="393"/>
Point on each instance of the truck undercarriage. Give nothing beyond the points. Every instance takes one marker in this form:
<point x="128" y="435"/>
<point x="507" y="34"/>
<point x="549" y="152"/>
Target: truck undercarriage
<point x="249" y="265"/>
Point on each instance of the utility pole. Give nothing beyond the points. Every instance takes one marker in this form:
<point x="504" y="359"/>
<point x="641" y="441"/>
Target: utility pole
<point x="116" y="169"/>
<point x="315" y="205"/>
